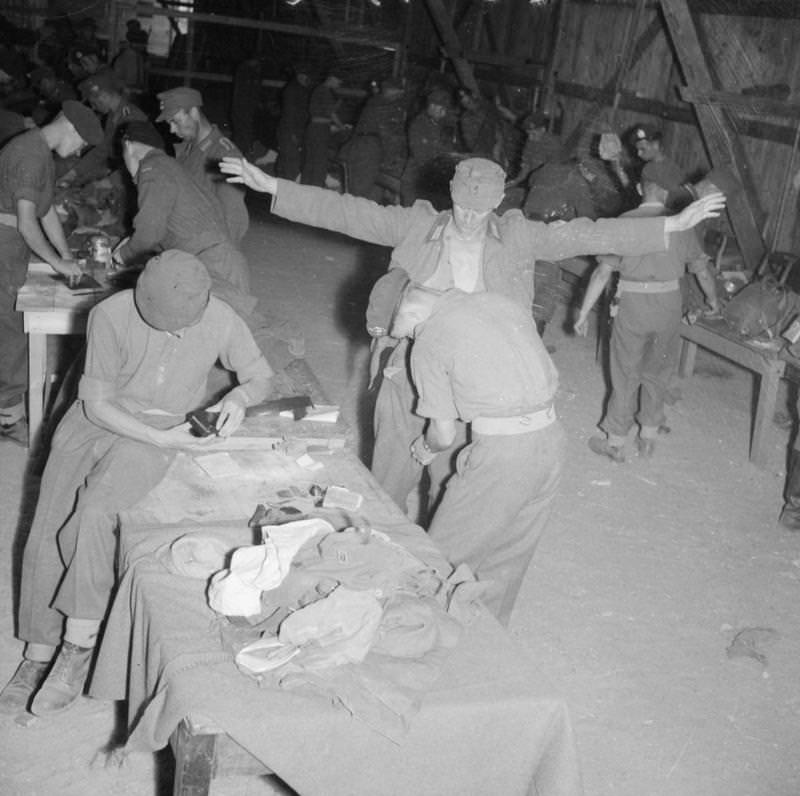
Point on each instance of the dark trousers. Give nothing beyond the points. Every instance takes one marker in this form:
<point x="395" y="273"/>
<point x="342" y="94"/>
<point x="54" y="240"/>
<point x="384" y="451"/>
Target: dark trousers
<point x="14" y="254"/>
<point x="315" y="168"/>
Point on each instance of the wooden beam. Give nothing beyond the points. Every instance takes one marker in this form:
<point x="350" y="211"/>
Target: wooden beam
<point x="718" y="131"/>
<point x="452" y="44"/>
<point x="648" y="36"/>
<point x="746" y="103"/>
<point x="770" y="9"/>
<point x="280" y="27"/>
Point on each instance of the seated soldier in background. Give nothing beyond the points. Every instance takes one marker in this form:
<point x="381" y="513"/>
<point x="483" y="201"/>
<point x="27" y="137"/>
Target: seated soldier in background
<point x="203" y="146"/>
<point x="29" y="223"/>
<point x="149" y="354"/>
<point x="478" y="359"/>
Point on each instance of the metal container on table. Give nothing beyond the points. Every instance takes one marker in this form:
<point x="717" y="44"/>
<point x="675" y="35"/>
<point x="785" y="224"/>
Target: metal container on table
<point x="100" y="251"/>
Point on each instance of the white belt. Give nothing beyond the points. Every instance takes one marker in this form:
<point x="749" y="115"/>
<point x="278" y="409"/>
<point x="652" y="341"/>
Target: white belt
<point x="521" y="424"/>
<point x="629" y="286"/>
<point x="8" y="219"/>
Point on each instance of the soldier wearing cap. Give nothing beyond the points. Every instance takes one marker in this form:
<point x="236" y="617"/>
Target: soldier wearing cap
<point x="468" y="247"/>
<point x="149" y="354"/>
<point x="378" y="143"/>
<point x="292" y="124"/>
<point x="431" y="139"/>
<point x="104" y="93"/>
<point x="29" y="222"/>
<point x="203" y="146"/>
<point x="645" y="335"/>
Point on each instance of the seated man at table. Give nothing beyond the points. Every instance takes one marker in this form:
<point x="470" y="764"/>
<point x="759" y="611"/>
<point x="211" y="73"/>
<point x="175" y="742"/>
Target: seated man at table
<point x="645" y="335"/>
<point x="149" y="353"/>
<point x="478" y="358"/>
<point x="29" y="223"/>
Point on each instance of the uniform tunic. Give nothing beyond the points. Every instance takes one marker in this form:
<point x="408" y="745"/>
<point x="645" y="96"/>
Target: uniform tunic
<point x="416" y="235"/>
<point x="97" y="162"/>
<point x="175" y="213"/>
<point x="291" y="128"/>
<point x="321" y="107"/>
<point x="645" y="333"/>
<point x="26" y="172"/>
<point x="201" y="159"/>
<point x="92" y="474"/>
<point x="477" y="356"/>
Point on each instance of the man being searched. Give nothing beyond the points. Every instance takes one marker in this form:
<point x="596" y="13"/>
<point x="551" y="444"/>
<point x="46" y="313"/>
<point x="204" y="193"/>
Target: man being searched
<point x="203" y="146"/>
<point x="478" y="359"/>
<point x="469" y="248"/>
<point x="149" y="354"/>
<point x="29" y="223"/>
<point x="645" y="332"/>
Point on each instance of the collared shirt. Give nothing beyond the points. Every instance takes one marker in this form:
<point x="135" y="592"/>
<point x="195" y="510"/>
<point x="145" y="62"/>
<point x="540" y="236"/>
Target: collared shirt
<point x="150" y="372"/>
<point x="27" y="172"/>
<point x="459" y="264"/>
<point x="479" y="355"/>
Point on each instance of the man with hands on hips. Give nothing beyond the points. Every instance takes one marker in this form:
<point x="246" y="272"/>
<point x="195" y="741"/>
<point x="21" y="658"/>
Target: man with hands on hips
<point x="149" y="354"/>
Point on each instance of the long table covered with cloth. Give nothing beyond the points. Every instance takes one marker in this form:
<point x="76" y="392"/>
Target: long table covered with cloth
<point x="488" y="722"/>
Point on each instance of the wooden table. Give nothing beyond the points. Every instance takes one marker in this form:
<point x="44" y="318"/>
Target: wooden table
<point x="488" y="724"/>
<point x="766" y="363"/>
<point x="48" y="307"/>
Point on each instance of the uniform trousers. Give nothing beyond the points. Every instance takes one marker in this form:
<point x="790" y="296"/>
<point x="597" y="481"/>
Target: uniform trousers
<point x="14" y="255"/>
<point x="363" y="156"/>
<point x="68" y="568"/>
<point x="315" y="147"/>
<point x="643" y="359"/>
<point x="496" y="506"/>
<point x="396" y="426"/>
<point x="290" y="154"/>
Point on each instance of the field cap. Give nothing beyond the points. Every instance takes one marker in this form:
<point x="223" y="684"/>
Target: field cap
<point x="103" y="80"/>
<point x="84" y="120"/>
<point x="178" y="99"/>
<point x="143" y="133"/>
<point x="645" y="132"/>
<point x="478" y="184"/>
<point x="172" y="291"/>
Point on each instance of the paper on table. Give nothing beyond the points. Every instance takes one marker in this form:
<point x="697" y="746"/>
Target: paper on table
<point x="218" y="465"/>
<point x="321" y="413"/>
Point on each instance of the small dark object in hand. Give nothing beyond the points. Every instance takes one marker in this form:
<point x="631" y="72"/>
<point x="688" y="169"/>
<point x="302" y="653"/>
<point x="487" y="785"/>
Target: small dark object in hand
<point x="203" y="422"/>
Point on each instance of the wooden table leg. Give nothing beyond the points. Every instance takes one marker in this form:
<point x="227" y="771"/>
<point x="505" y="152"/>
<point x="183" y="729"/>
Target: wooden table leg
<point x="195" y="757"/>
<point x="765" y="409"/>
<point x="37" y="376"/>
<point x="688" y="355"/>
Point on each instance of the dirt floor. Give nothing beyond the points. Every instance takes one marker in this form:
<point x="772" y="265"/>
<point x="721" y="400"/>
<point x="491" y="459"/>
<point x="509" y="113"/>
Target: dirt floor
<point x="662" y="604"/>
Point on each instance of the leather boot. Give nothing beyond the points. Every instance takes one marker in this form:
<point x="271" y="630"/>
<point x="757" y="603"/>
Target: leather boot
<point x="20" y="688"/>
<point x="64" y="684"/>
<point x="790" y="516"/>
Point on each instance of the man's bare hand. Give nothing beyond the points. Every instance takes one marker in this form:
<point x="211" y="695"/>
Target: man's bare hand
<point x="68" y="268"/>
<point x="581" y="326"/>
<point x="708" y="207"/>
<point x="231" y="414"/>
<point x="243" y="172"/>
<point x="181" y="438"/>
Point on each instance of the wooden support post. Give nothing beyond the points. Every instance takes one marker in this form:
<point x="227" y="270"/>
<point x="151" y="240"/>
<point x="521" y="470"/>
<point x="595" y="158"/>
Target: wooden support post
<point x="719" y="133"/>
<point x="452" y="44"/>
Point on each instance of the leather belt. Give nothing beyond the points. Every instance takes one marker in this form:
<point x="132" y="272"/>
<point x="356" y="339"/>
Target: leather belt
<point x="629" y="286"/>
<point x="520" y="424"/>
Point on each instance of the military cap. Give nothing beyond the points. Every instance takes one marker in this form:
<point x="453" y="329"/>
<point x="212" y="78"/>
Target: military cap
<point x="645" y="132"/>
<point x="172" y="291"/>
<point x="478" y="184"/>
<point x="102" y="80"/>
<point x="178" y="99"/>
<point x="142" y="133"/>
<point x="383" y="300"/>
<point x="84" y="120"/>
<point x="536" y="119"/>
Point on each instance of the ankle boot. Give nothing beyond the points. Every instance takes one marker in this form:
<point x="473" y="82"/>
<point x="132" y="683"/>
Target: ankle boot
<point x="790" y="516"/>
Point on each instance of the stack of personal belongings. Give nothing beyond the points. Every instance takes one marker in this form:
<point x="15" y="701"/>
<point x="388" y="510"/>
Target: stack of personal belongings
<point x="346" y="614"/>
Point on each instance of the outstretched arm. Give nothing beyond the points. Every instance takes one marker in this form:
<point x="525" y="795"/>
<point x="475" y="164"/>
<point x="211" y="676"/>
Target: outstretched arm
<point x="243" y="172"/>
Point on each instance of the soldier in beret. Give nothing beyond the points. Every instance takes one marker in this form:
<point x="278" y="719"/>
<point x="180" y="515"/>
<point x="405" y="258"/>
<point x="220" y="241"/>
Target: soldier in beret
<point x="29" y="222"/>
<point x="149" y="354"/>
<point x="203" y="146"/>
<point x="468" y="247"/>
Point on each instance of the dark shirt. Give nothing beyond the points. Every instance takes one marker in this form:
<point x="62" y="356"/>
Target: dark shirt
<point x="323" y="103"/>
<point x="479" y="355"/>
<point x="428" y="138"/>
<point x="294" y="108"/>
<point x="27" y="172"/>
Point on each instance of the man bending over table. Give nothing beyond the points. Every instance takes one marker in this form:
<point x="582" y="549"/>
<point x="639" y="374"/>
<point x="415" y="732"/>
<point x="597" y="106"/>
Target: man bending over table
<point x="29" y="222"/>
<point x="149" y="353"/>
